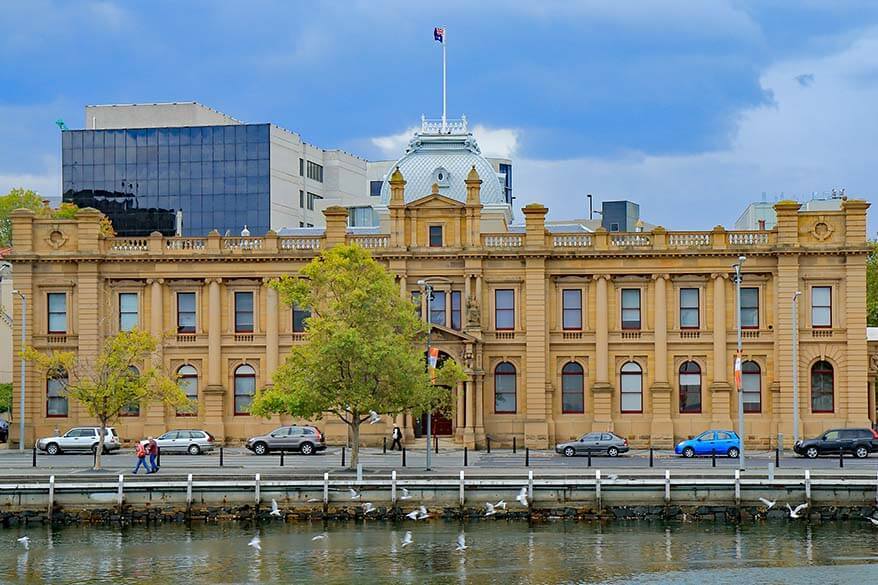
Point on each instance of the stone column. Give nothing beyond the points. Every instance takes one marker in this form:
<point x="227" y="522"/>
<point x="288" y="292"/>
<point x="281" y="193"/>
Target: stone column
<point x="602" y="389"/>
<point x="271" y="331"/>
<point x="850" y="401"/>
<point x="662" y="427"/>
<point x="720" y="389"/>
<point x="155" y="422"/>
<point x="480" y="410"/>
<point x="469" y="415"/>
<point x="214" y="392"/>
<point x="459" y="412"/>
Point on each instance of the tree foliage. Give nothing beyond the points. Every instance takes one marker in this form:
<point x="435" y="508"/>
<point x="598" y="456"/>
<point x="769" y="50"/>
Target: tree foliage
<point x="364" y="350"/>
<point x="123" y="373"/>
<point x="872" y="286"/>
<point x="26" y="199"/>
<point x="5" y="397"/>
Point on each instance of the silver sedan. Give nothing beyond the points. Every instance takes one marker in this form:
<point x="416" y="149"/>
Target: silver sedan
<point x="595" y="443"/>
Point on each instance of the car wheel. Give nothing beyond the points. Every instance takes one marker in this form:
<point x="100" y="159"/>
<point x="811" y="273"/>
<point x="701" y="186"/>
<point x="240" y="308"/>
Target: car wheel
<point x="733" y="452"/>
<point x="194" y="450"/>
<point x="569" y="451"/>
<point x="260" y="449"/>
<point x="861" y="452"/>
<point x="307" y="449"/>
<point x="688" y="452"/>
<point x="811" y="453"/>
<point x="52" y="449"/>
<point x="613" y="451"/>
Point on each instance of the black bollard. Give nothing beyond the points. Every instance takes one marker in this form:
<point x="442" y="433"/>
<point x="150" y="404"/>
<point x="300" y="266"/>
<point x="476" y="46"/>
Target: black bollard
<point x="488" y="440"/>
<point x="650" y="456"/>
<point x="713" y="457"/>
<point x="281" y="458"/>
<point x="513" y="444"/>
<point x="403" y="456"/>
<point x="777" y="457"/>
<point x="465" y="457"/>
<point x="841" y="459"/>
<point x="158" y="458"/>
<point x="527" y="456"/>
<point x="34" y="457"/>
<point x="221" y="456"/>
<point x="436" y="443"/>
<point x="589" y="457"/>
<point x="385" y="445"/>
<point x="342" y="456"/>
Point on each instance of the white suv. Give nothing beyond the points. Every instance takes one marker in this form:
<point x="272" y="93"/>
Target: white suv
<point x="80" y="439"/>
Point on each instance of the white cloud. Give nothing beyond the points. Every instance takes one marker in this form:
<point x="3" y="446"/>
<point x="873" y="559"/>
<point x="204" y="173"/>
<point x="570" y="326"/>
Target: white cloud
<point x="47" y="183"/>
<point x="495" y="142"/>
<point x="810" y="139"/>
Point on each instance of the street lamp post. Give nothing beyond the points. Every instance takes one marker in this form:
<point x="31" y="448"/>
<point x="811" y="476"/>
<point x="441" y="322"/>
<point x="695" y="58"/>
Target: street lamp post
<point x="738" y="365"/>
<point x="428" y="292"/>
<point x="23" y="366"/>
<point x="796" y="367"/>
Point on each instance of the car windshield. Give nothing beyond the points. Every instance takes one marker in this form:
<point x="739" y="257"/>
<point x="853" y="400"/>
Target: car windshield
<point x="706" y="436"/>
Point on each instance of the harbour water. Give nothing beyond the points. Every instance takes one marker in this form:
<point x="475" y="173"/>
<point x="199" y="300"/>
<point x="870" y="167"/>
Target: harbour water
<point x="499" y="551"/>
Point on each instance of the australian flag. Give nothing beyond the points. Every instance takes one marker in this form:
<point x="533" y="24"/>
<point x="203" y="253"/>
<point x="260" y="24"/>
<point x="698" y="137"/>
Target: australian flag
<point x="439" y="34"/>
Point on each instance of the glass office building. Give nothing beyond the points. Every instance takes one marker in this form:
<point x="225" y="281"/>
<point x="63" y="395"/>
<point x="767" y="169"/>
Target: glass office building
<point x="217" y="175"/>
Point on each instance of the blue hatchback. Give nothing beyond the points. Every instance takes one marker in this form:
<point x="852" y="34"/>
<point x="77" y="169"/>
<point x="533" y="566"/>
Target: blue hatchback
<point x="710" y="442"/>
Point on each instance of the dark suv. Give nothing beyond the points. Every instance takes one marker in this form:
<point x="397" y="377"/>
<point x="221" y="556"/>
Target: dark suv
<point x="859" y="442"/>
<point x="306" y="440"/>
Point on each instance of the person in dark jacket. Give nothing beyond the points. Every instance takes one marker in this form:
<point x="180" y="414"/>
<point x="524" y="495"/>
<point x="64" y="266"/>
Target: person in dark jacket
<point x="396" y="435"/>
<point x="153" y="449"/>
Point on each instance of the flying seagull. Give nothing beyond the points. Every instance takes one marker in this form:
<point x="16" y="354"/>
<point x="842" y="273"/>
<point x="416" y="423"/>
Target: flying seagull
<point x="405" y="494"/>
<point x="422" y="514"/>
<point x="501" y="505"/>
<point x="313" y="500"/>
<point x="255" y="542"/>
<point x="413" y="515"/>
<point x="275" y="510"/>
<point x="797" y="513"/>
<point x="320" y="537"/>
<point x="374" y="417"/>
<point x="25" y="541"/>
<point x="461" y="542"/>
<point x="869" y="518"/>
<point x="355" y="495"/>
<point x="407" y="539"/>
<point x="768" y="503"/>
<point x="522" y="496"/>
<point x="368" y="507"/>
<point x="490" y="509"/>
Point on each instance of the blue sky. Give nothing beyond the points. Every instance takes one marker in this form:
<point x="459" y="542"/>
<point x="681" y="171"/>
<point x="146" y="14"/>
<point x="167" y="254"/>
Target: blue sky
<point x="690" y="108"/>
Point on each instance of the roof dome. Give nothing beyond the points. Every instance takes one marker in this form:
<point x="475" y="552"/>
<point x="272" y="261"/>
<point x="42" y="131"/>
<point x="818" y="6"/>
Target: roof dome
<point x="445" y="159"/>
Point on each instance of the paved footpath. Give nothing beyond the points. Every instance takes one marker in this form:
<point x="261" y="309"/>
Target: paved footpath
<point x="450" y="459"/>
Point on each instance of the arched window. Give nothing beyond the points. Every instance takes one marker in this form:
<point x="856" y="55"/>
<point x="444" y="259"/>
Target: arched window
<point x="133" y="407"/>
<point x="245" y="388"/>
<point x="56" y="398"/>
<point x="504" y="388"/>
<point x="187" y="380"/>
<point x="572" y="389"/>
<point x="751" y="386"/>
<point x="632" y="387"/>
<point x="690" y="388"/>
<point x="822" y="378"/>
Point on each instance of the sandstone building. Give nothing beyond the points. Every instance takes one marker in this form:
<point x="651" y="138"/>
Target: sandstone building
<point x="560" y="332"/>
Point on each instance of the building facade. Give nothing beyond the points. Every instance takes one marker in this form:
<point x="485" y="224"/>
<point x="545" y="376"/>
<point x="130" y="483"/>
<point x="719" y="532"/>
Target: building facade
<point x="559" y="333"/>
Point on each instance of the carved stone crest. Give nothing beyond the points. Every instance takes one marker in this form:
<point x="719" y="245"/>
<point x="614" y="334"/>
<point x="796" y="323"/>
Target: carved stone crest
<point x="822" y="230"/>
<point x="56" y="238"/>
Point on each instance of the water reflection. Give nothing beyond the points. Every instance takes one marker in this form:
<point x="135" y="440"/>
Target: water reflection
<point x="498" y="552"/>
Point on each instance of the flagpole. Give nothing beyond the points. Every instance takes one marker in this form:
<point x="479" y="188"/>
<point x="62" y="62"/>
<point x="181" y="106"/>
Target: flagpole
<point x="444" y="41"/>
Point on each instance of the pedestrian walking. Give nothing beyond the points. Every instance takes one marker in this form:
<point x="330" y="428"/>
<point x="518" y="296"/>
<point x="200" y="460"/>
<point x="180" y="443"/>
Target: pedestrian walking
<point x="396" y="435"/>
<point x="153" y="449"/>
<point x="140" y="452"/>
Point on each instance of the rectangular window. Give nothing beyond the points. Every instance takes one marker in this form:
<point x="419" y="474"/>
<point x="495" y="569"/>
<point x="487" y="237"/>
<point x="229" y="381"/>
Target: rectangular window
<point x="311" y="198"/>
<point x="456" y="300"/>
<point x="504" y="309"/>
<point x="243" y="312"/>
<point x="437" y="308"/>
<point x="689" y="314"/>
<point x="128" y="311"/>
<point x="750" y="308"/>
<point x="821" y="306"/>
<point x="375" y="188"/>
<point x="435" y="236"/>
<point x="299" y="316"/>
<point x="186" y="312"/>
<point x="57" y="303"/>
<point x="416" y="299"/>
<point x="630" y="308"/>
<point x="301" y="167"/>
<point x="315" y="172"/>
<point x="571" y="308"/>
<point x="301" y="199"/>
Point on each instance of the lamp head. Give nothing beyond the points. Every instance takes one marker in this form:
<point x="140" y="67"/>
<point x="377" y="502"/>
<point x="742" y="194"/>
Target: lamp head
<point x="422" y="283"/>
<point x="742" y="259"/>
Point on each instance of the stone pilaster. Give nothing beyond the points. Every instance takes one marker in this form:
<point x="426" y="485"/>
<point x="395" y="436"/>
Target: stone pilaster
<point x="271" y="331"/>
<point x="602" y="389"/>
<point x="214" y="392"/>
<point x="786" y="286"/>
<point x="720" y="389"/>
<point x="155" y="422"/>
<point x="661" y="428"/>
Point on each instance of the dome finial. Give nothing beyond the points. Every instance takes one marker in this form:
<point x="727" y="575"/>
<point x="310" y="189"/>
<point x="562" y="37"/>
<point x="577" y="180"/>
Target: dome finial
<point x="473" y="175"/>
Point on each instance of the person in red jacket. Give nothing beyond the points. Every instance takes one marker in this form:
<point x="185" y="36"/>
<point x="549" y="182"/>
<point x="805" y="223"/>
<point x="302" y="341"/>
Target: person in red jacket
<point x="153" y="449"/>
<point x="140" y="451"/>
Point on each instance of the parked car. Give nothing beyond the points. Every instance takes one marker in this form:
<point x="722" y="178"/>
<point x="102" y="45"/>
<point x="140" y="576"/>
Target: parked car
<point x="597" y="442"/>
<point x="307" y="440"/>
<point x="80" y="439"/>
<point x="190" y="441"/>
<point x="712" y="442"/>
<point x="859" y="442"/>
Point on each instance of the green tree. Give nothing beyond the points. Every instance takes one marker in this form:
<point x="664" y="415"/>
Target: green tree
<point x="5" y="397"/>
<point x="18" y="199"/>
<point x="364" y="349"/>
<point x="123" y="373"/>
<point x="872" y="286"/>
